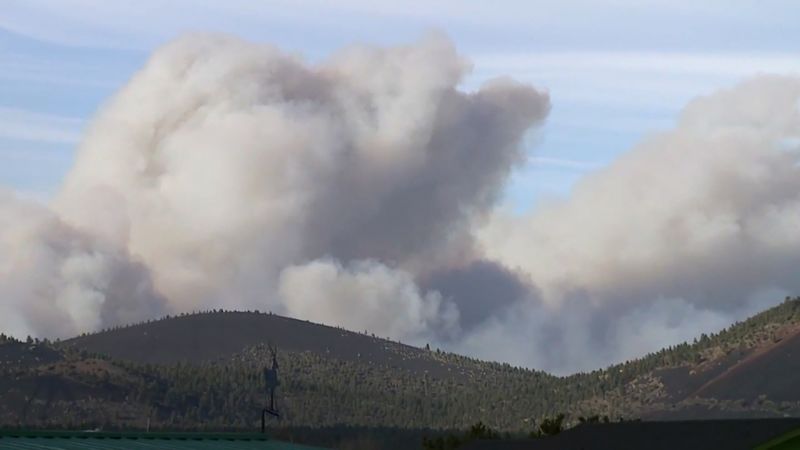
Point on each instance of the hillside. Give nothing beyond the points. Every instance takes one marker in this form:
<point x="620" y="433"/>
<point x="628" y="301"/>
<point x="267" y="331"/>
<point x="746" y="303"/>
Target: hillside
<point x="203" y="371"/>
<point x="766" y="373"/>
<point x="215" y="336"/>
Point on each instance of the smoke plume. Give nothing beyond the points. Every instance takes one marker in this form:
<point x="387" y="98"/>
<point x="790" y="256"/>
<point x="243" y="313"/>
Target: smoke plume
<point x="362" y="191"/>
<point x="367" y="294"/>
<point x="244" y="177"/>
<point x="58" y="281"/>
<point x="691" y="229"/>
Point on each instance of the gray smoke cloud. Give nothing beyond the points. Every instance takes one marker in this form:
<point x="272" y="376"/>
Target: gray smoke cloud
<point x="241" y="176"/>
<point x="361" y="191"/>
<point x="483" y="289"/>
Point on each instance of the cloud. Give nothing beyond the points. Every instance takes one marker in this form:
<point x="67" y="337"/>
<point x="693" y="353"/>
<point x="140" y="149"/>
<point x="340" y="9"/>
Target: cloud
<point x="613" y="22"/>
<point x="482" y="289"/>
<point x="18" y="124"/>
<point x="702" y="218"/>
<point x="563" y="163"/>
<point x="231" y="170"/>
<point x="569" y="63"/>
<point x="630" y="91"/>
<point x="367" y="293"/>
<point x="57" y="281"/>
<point x="362" y="191"/>
<point x="577" y="335"/>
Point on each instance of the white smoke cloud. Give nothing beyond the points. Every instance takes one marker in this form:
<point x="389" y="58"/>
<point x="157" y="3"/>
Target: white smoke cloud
<point x="224" y="164"/>
<point x="57" y="281"/>
<point x="361" y="192"/>
<point x="697" y="222"/>
<point x="367" y="293"/>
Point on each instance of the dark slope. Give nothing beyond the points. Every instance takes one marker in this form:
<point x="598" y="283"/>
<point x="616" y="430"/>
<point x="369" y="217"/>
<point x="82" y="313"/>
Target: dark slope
<point x="748" y="362"/>
<point x="219" y="335"/>
<point x="769" y="369"/>
<point x="685" y="381"/>
<point x="772" y="372"/>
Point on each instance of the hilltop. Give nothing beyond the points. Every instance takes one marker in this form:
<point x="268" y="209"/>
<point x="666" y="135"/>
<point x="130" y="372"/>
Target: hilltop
<point x="218" y="335"/>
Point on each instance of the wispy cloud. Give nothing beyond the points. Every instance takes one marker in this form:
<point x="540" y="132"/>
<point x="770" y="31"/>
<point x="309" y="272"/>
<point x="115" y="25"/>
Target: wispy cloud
<point x="562" y="163"/>
<point x="618" y="123"/>
<point x="40" y="70"/>
<point x="675" y="63"/>
<point x="28" y="156"/>
<point x="140" y="24"/>
<point x="632" y="80"/>
<point x="23" y="125"/>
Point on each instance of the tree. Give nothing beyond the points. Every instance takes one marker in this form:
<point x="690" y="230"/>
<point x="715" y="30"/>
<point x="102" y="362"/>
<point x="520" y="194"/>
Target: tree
<point x="478" y="431"/>
<point x="550" y="426"/>
<point x="481" y="431"/>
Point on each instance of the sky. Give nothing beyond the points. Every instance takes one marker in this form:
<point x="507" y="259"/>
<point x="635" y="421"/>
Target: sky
<point x="558" y="185"/>
<point x="616" y="70"/>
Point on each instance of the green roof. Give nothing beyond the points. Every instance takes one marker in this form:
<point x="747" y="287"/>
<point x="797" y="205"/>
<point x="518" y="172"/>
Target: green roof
<point x="87" y="440"/>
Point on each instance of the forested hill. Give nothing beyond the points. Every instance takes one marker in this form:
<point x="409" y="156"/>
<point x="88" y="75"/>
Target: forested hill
<point x="218" y="335"/>
<point x="203" y="371"/>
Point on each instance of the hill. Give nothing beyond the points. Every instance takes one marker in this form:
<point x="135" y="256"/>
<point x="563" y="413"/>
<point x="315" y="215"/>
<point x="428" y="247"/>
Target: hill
<point x="202" y="371"/>
<point x="218" y="335"/>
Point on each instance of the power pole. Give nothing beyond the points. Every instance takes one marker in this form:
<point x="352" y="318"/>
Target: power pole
<point x="270" y="383"/>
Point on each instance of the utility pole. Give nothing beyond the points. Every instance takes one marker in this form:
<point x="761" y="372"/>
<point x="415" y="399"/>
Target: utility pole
<point x="270" y="383"/>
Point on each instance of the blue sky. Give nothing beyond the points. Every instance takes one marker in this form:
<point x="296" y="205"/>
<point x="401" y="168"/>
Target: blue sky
<point x="616" y="69"/>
